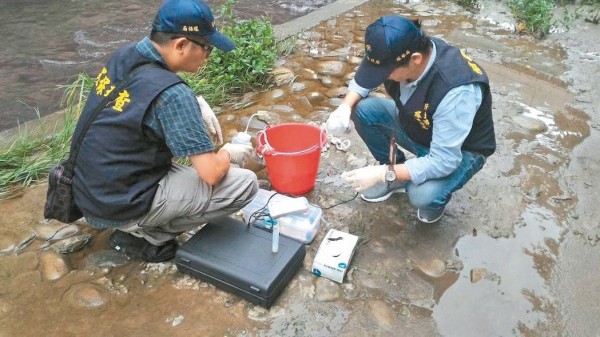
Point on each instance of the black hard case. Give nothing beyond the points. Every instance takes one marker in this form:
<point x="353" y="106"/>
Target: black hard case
<point x="238" y="259"/>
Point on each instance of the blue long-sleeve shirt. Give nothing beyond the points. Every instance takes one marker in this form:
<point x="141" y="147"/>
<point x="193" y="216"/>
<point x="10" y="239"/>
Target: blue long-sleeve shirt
<point x="452" y="123"/>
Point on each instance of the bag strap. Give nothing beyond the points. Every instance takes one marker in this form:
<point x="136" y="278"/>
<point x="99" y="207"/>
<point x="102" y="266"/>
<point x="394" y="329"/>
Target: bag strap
<point x="70" y="162"/>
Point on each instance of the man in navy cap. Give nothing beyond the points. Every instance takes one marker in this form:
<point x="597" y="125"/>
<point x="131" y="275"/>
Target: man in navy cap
<point x="440" y="110"/>
<point x="124" y="176"/>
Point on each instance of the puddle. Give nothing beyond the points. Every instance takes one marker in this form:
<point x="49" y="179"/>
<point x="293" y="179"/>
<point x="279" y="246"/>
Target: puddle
<point x="512" y="294"/>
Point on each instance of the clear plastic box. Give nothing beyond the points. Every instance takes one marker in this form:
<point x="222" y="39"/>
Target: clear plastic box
<point x="300" y="226"/>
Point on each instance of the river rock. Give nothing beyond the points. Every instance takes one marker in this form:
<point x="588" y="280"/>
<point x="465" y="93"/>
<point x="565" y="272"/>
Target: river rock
<point x="433" y="268"/>
<point x="72" y="244"/>
<point x="333" y="68"/>
<point x="530" y="124"/>
<point x="53" y="265"/>
<point x="307" y="74"/>
<point x="86" y="296"/>
<point x="283" y="108"/>
<point x="315" y="97"/>
<point x="383" y="314"/>
<point x="277" y="94"/>
<point x="105" y="258"/>
<point x="54" y="230"/>
<point x="326" y="81"/>
<point x="282" y="76"/>
<point x="298" y="86"/>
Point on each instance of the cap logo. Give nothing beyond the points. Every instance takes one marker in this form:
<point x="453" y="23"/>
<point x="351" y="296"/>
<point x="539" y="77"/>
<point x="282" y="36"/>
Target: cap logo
<point x="190" y="29"/>
<point x="402" y="56"/>
<point x="368" y="49"/>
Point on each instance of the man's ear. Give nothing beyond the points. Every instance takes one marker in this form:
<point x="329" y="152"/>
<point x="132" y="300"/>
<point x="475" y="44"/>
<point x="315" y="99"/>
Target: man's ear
<point x="179" y="44"/>
<point x="417" y="58"/>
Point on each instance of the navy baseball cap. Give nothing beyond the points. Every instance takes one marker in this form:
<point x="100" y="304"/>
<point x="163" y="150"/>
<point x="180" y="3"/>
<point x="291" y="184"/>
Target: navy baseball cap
<point x="388" y="41"/>
<point x="190" y="17"/>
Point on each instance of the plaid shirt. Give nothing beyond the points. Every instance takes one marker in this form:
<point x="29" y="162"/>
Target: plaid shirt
<point x="175" y="114"/>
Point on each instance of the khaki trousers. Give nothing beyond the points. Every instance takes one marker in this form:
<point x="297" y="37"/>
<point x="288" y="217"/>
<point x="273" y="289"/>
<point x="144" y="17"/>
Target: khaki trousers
<point x="183" y="201"/>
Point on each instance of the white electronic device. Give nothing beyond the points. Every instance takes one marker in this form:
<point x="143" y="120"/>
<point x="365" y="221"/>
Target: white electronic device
<point x="281" y="205"/>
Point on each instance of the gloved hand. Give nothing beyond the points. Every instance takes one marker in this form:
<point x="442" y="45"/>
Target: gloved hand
<point x="365" y="177"/>
<point x="238" y="153"/>
<point x="211" y="121"/>
<point x="338" y="122"/>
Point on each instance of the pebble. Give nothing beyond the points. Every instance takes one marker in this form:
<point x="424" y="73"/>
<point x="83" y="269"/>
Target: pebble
<point x="477" y="274"/>
<point x="383" y="314"/>
<point x="72" y="244"/>
<point x="277" y="94"/>
<point x="430" y="23"/>
<point x="530" y="124"/>
<point x="283" y="108"/>
<point x="54" y="230"/>
<point x="298" y="86"/>
<point x="434" y="268"/>
<point x="87" y="295"/>
<point x="334" y="68"/>
<point x="326" y="81"/>
<point x="105" y="258"/>
<point x="308" y="74"/>
<point x="53" y="265"/>
<point x="315" y="97"/>
<point x="465" y="25"/>
<point x="282" y="76"/>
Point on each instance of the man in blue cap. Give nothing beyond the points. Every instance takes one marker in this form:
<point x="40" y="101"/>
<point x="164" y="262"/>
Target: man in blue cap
<point x="124" y="176"/>
<point x="440" y="110"/>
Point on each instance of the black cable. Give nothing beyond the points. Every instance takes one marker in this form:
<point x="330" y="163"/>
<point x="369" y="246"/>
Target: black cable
<point x="339" y="203"/>
<point x="260" y="212"/>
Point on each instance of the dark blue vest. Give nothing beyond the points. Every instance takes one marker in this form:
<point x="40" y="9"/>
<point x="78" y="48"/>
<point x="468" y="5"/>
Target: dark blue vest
<point x="450" y="69"/>
<point x="119" y="164"/>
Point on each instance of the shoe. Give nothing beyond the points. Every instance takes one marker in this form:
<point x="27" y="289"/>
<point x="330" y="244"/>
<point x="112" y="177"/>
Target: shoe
<point x="139" y="248"/>
<point x="383" y="191"/>
<point x="430" y="215"/>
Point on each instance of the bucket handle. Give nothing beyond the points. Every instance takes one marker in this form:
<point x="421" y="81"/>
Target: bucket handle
<point x="267" y="149"/>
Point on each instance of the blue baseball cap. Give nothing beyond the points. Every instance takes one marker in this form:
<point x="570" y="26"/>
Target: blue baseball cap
<point x="388" y="41"/>
<point x="190" y="17"/>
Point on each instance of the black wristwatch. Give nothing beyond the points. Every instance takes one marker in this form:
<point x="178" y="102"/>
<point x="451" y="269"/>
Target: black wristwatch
<point x="390" y="175"/>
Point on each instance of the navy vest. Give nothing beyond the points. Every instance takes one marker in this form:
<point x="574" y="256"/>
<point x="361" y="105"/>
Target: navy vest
<point x="119" y="165"/>
<point x="451" y="69"/>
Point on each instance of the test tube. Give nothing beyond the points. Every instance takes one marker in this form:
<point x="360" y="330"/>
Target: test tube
<point x="275" y="243"/>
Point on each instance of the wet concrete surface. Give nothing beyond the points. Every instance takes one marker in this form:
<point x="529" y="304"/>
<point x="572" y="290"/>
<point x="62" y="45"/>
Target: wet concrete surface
<point x="515" y="254"/>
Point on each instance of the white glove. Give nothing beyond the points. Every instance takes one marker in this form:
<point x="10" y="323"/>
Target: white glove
<point x="238" y="153"/>
<point x="365" y="177"/>
<point x="338" y="122"/>
<point x="211" y="121"/>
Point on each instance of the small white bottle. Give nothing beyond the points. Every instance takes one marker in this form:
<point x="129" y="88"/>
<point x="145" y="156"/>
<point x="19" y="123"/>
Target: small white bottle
<point x="242" y="138"/>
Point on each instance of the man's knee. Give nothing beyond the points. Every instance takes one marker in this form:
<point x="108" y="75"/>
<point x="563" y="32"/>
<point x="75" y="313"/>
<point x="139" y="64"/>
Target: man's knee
<point x="425" y="195"/>
<point x="248" y="185"/>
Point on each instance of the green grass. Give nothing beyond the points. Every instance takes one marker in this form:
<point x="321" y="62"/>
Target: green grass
<point x="534" y="16"/>
<point x="30" y="156"/>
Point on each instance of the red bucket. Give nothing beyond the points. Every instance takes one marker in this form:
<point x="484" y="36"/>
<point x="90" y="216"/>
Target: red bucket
<point x="292" y="152"/>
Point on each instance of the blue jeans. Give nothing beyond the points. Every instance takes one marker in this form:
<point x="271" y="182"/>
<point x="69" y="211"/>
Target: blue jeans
<point x="376" y="119"/>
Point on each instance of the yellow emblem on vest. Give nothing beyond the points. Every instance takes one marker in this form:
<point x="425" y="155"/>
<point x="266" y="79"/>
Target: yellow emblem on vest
<point x="471" y="63"/>
<point x="421" y="117"/>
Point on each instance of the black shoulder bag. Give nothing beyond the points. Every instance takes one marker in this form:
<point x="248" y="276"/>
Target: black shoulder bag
<point x="60" y="204"/>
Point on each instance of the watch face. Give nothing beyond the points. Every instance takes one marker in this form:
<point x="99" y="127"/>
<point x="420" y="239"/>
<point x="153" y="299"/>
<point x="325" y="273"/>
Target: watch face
<point x="390" y="175"/>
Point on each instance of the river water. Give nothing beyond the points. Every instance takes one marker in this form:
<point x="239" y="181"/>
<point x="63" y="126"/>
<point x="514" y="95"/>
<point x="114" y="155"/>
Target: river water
<point x="46" y="44"/>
